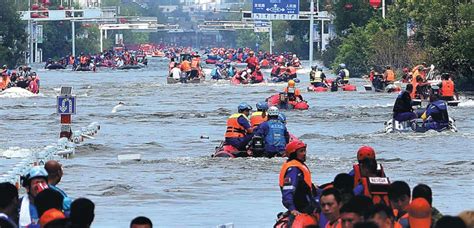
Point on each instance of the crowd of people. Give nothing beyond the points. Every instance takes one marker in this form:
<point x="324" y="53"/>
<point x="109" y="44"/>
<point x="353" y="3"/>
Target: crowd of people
<point x="362" y="198"/>
<point x="45" y="205"/>
<point x="22" y="77"/>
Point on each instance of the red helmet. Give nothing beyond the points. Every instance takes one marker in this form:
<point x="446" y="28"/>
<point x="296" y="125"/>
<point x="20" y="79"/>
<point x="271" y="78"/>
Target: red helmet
<point x="293" y="146"/>
<point x="365" y="152"/>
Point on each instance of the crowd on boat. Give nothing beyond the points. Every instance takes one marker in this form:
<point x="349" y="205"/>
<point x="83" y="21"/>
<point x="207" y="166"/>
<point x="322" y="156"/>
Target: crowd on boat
<point x="22" y="77"/>
<point x="89" y="62"/>
<point x="45" y="205"/>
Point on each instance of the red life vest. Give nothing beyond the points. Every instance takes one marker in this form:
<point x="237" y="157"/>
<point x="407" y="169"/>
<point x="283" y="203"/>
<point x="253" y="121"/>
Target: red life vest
<point x="447" y="88"/>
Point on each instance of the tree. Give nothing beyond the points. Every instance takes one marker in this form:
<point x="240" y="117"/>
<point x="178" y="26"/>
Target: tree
<point x="12" y="36"/>
<point x="351" y="12"/>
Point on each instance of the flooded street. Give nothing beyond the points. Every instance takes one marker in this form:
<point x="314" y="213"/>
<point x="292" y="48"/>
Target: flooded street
<point x="178" y="184"/>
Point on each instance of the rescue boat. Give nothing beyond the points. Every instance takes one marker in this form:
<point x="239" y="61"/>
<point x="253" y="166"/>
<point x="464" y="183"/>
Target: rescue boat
<point x="393" y="125"/>
<point x="281" y="101"/>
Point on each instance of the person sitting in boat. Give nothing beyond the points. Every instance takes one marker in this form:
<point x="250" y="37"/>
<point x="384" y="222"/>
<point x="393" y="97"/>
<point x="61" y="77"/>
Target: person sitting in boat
<point x="264" y="62"/>
<point x="4" y="83"/>
<point x="297" y="190"/>
<point x="343" y="75"/>
<point x="388" y="76"/>
<point x="231" y="70"/>
<point x="244" y="76"/>
<point x="422" y="88"/>
<point x="239" y="132"/>
<point x="252" y="61"/>
<point x="275" y="134"/>
<point x="436" y="115"/>
<point x="318" y="79"/>
<point x="275" y="70"/>
<point x="186" y="67"/>
<point x="294" y="94"/>
<point x="403" y="109"/>
<point x="175" y="72"/>
<point x="257" y="76"/>
<point x="406" y="77"/>
<point x="295" y="61"/>
<point x="195" y="66"/>
<point x="83" y="60"/>
<point x="291" y="71"/>
<point x="260" y="115"/>
<point x="366" y="167"/>
<point x="447" y="87"/>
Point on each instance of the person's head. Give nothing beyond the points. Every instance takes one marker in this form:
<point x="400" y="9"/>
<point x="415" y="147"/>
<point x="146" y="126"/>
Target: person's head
<point x="48" y="199"/>
<point x="450" y="222"/>
<point x="296" y="149"/>
<point x="262" y="106"/>
<point x="419" y="213"/>
<point x="291" y="83"/>
<point x="344" y="182"/>
<point x="244" y="108"/>
<point x="314" y="68"/>
<point x="82" y="212"/>
<point x="8" y="198"/>
<point x="434" y="97"/>
<point x="367" y="162"/>
<point x="320" y="68"/>
<point x="351" y="213"/>
<point x="342" y="66"/>
<point x="55" y="171"/>
<point x="382" y="215"/>
<point x="445" y="76"/>
<point x="35" y="181"/>
<point x="419" y="78"/>
<point x="423" y="191"/>
<point x="399" y="195"/>
<point x="367" y="224"/>
<point x="273" y="112"/>
<point x="330" y="201"/>
<point x="409" y="88"/>
<point x="388" y="67"/>
<point x="141" y="222"/>
<point x="251" y="53"/>
<point x="468" y="218"/>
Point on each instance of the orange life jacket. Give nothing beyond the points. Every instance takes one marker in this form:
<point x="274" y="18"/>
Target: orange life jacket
<point x="336" y="224"/>
<point x="297" y="92"/>
<point x="234" y="129"/>
<point x="377" y="189"/>
<point x="358" y="176"/>
<point x="71" y="60"/>
<point x="302" y="167"/>
<point x="390" y="75"/>
<point x="256" y="119"/>
<point x="447" y="88"/>
<point x="185" y="66"/>
<point x="195" y="63"/>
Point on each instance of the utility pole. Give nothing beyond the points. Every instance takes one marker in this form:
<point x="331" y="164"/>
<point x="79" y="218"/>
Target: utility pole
<point x="383" y="9"/>
<point x="311" y="24"/>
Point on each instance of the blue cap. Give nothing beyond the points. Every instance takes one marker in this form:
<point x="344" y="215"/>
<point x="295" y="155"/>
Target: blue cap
<point x="282" y="117"/>
<point x="244" y="106"/>
<point x="261" y="106"/>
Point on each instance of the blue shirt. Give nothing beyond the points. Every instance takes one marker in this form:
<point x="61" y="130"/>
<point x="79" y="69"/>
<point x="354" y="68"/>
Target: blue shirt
<point x="244" y="122"/>
<point x="292" y="177"/>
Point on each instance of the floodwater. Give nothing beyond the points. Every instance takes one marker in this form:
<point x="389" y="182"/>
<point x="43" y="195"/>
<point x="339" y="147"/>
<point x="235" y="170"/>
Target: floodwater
<point x="178" y="184"/>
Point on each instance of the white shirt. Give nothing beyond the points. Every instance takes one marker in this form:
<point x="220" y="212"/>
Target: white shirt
<point x="175" y="72"/>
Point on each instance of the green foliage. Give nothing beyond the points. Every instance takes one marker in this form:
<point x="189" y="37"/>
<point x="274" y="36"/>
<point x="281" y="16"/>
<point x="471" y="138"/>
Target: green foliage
<point x="354" y="51"/>
<point x="12" y="37"/>
<point x="358" y="15"/>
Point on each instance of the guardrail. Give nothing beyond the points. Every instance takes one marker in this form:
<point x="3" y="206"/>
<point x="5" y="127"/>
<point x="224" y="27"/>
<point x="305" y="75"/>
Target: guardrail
<point x="64" y="147"/>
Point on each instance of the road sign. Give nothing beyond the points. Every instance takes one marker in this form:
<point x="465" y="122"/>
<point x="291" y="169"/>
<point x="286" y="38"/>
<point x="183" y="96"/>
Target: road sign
<point x="261" y="26"/>
<point x="275" y="9"/>
<point x="66" y="105"/>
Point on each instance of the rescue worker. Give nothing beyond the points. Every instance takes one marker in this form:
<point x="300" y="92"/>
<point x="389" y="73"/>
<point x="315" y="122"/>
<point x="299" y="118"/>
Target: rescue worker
<point x="257" y="76"/>
<point x="367" y="167"/>
<point x="295" y="61"/>
<point x="55" y="173"/>
<point x="294" y="94"/>
<point x="195" y="66"/>
<point x="260" y="115"/>
<point x="239" y="132"/>
<point x="252" y="61"/>
<point x="296" y="185"/>
<point x="185" y="66"/>
<point x="291" y="71"/>
<point x="5" y="82"/>
<point x="319" y="78"/>
<point x="447" y="87"/>
<point x="343" y="74"/>
<point x="83" y="60"/>
<point x="275" y="134"/>
<point x="35" y="181"/>
<point x="436" y="115"/>
<point x="402" y="109"/>
<point x="388" y="76"/>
